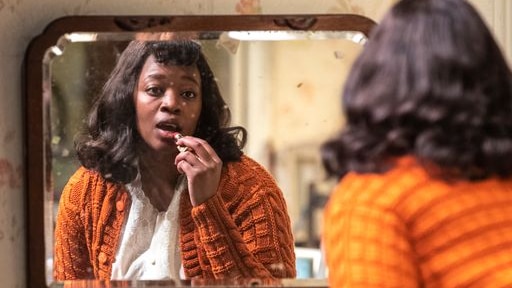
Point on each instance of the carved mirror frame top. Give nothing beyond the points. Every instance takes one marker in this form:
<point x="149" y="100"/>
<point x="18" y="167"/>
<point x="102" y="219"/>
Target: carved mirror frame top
<point x="34" y="99"/>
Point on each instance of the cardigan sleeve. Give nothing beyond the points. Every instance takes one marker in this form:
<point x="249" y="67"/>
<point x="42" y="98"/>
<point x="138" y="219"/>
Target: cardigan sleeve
<point x="71" y="256"/>
<point x="245" y="230"/>
<point x="366" y="244"/>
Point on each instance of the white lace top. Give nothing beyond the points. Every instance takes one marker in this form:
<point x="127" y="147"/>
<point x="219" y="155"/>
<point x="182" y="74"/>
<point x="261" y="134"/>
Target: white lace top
<point x="149" y="248"/>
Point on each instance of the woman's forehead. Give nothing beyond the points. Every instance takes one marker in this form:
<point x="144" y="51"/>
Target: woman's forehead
<point x="154" y="69"/>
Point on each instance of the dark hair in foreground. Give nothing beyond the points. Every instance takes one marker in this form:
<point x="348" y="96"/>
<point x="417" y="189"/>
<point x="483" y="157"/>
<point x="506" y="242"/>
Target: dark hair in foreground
<point x="430" y="82"/>
<point x="109" y="145"/>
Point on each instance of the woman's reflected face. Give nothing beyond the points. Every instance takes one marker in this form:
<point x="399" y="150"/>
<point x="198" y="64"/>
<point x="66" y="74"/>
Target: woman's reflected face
<point x="167" y="100"/>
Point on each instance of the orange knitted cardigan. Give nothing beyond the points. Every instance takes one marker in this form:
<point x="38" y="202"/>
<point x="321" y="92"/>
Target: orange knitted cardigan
<point x="406" y="229"/>
<point x="243" y="231"/>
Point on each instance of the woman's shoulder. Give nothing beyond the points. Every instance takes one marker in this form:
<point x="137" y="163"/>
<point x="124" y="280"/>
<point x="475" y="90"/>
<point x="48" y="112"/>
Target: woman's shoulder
<point x="246" y="167"/>
<point x="82" y="175"/>
<point x="247" y="173"/>
<point x="75" y="191"/>
<point x="87" y="181"/>
<point x="386" y="188"/>
<point x="245" y="163"/>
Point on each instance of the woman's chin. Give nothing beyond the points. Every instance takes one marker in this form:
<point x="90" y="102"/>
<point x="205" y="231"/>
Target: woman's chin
<point x="162" y="147"/>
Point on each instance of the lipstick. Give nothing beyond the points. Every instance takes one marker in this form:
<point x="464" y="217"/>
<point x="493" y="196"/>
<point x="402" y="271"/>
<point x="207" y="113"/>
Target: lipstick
<point x="181" y="148"/>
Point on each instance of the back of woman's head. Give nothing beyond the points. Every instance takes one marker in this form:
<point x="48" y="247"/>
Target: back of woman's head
<point x="430" y="82"/>
<point x="109" y="142"/>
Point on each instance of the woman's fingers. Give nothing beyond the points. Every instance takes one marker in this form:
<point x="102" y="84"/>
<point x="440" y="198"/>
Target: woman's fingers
<point x="202" y="166"/>
<point x="200" y="149"/>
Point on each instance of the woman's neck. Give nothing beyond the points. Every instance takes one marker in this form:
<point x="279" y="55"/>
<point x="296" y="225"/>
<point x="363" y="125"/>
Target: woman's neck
<point x="159" y="176"/>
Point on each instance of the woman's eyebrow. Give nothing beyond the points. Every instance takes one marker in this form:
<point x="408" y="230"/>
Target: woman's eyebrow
<point x="155" y="76"/>
<point x="191" y="78"/>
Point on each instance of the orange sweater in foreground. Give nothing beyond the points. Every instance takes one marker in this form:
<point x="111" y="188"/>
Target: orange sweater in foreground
<point x="243" y="231"/>
<point x="405" y="229"/>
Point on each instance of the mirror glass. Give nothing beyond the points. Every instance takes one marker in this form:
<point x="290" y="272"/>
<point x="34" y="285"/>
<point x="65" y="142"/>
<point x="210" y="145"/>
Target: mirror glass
<point x="282" y="86"/>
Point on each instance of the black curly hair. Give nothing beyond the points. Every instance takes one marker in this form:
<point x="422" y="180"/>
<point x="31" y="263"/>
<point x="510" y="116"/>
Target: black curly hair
<point x="108" y="143"/>
<point x="431" y="82"/>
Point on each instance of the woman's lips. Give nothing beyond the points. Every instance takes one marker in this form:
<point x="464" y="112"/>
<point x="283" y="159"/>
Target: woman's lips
<point x="167" y="130"/>
<point x="174" y="137"/>
<point x="167" y="134"/>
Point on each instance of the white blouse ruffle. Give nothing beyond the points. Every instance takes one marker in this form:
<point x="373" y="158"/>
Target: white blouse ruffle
<point x="149" y="248"/>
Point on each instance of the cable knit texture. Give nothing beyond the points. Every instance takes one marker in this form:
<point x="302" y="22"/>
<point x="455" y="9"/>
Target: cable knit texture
<point x="243" y="231"/>
<point x="405" y="229"/>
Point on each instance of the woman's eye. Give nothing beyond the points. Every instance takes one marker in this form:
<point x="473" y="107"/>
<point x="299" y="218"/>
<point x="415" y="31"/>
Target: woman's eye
<point x="154" y="91"/>
<point x="188" y="94"/>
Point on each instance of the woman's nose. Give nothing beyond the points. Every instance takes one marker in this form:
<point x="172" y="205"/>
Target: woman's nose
<point x="170" y="101"/>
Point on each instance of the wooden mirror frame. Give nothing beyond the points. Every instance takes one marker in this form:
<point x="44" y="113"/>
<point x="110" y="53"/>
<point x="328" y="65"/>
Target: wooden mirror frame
<point x="32" y="88"/>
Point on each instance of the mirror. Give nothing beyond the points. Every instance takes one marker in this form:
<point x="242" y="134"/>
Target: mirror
<point x="281" y="76"/>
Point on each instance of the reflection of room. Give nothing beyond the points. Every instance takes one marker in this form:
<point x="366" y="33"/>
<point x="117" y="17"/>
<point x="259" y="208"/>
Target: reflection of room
<point x="284" y="92"/>
<point x="289" y="103"/>
<point x="268" y="85"/>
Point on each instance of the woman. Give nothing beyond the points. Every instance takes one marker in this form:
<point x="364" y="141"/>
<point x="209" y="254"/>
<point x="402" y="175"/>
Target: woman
<point x="425" y="158"/>
<point x="164" y="188"/>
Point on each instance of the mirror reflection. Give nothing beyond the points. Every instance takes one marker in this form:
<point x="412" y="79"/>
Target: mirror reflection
<point x="282" y="87"/>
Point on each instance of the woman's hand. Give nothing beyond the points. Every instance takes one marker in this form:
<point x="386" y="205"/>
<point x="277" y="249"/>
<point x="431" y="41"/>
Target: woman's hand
<point x="201" y="165"/>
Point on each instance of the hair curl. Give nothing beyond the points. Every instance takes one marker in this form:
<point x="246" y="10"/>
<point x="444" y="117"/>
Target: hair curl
<point x="430" y="82"/>
<point x="108" y="143"/>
